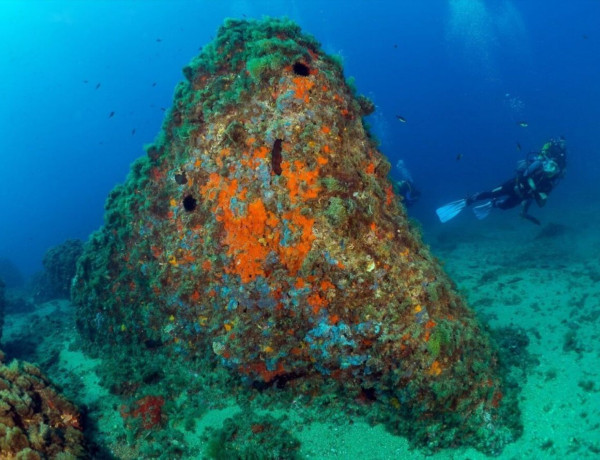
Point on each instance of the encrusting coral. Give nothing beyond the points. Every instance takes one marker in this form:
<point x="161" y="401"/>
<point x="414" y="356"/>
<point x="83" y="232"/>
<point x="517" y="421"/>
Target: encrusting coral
<point x="35" y="421"/>
<point x="262" y="229"/>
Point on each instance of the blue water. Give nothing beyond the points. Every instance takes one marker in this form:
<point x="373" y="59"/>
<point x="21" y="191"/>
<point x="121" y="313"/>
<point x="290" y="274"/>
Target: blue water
<point x="462" y="73"/>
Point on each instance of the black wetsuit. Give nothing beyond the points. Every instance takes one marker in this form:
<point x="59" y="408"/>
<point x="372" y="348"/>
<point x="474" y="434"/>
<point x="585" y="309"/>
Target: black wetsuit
<point x="407" y="190"/>
<point x="536" y="185"/>
<point x="534" y="182"/>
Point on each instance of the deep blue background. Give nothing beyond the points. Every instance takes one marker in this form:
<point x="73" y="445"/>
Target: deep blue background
<point x="461" y="72"/>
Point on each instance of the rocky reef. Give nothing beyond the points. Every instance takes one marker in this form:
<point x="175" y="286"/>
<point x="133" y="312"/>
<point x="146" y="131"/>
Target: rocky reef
<point x="59" y="269"/>
<point x="35" y="421"/>
<point x="2" y="305"/>
<point x="251" y="436"/>
<point x="261" y="230"/>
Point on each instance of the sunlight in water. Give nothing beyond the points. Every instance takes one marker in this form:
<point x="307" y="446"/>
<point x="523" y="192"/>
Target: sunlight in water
<point x="480" y="29"/>
<point x="470" y="25"/>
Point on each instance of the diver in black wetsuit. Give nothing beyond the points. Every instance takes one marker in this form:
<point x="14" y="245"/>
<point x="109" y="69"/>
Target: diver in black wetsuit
<point x="536" y="178"/>
<point x="404" y="184"/>
<point x="407" y="190"/>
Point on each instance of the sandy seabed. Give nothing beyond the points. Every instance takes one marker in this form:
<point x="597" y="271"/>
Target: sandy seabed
<point x="544" y="280"/>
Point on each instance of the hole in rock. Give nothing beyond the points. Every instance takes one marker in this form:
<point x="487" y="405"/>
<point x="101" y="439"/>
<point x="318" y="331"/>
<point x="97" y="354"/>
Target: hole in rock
<point x="189" y="203"/>
<point x="276" y="157"/>
<point x="301" y="69"/>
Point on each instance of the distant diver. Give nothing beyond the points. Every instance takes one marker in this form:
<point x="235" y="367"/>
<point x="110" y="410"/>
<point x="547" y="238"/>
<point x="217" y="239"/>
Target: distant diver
<point x="404" y="184"/>
<point x="536" y="177"/>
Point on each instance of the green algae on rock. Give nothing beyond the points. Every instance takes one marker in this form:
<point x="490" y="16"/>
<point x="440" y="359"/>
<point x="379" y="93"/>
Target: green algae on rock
<point x="261" y="229"/>
<point x="59" y="269"/>
<point x="249" y="435"/>
<point x="2" y="305"/>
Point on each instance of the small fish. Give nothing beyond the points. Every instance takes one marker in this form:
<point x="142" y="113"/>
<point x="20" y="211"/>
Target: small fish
<point x="585" y="36"/>
<point x="395" y="45"/>
<point x="112" y="114"/>
<point x="133" y="131"/>
<point x="518" y="147"/>
<point x="400" y="118"/>
<point x="159" y="40"/>
<point x="98" y="86"/>
<point x="85" y="81"/>
<point x="154" y="84"/>
<point x="523" y="124"/>
<point x="459" y="156"/>
<point x="163" y="109"/>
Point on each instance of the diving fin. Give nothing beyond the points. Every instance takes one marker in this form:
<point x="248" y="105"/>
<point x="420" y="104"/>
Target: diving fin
<point x="483" y="210"/>
<point x="447" y="212"/>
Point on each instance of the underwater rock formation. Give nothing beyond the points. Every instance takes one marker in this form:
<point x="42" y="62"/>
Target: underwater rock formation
<point x="59" y="269"/>
<point x="2" y="305"/>
<point x="251" y="436"/>
<point x="35" y="421"/>
<point x="262" y="228"/>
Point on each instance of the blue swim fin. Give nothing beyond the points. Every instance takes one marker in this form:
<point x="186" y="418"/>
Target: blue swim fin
<point x="483" y="210"/>
<point x="447" y="212"/>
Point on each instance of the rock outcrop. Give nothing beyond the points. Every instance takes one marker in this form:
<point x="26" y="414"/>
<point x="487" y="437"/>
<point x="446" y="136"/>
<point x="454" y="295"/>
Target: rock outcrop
<point x="261" y="228"/>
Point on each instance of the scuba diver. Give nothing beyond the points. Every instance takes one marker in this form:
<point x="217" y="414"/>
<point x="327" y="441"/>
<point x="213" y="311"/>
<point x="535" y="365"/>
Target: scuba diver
<point x="404" y="184"/>
<point x="536" y="177"/>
